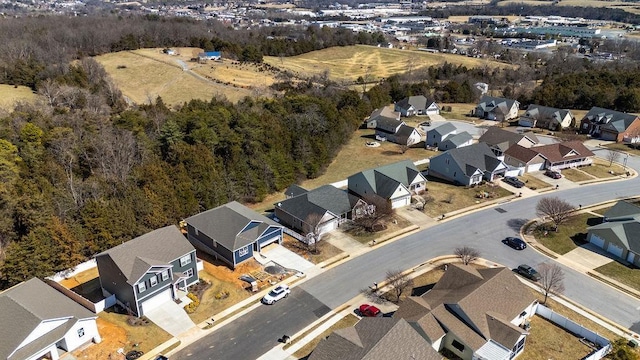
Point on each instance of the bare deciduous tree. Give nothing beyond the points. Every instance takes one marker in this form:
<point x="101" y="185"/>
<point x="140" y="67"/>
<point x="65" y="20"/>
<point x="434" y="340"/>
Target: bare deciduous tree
<point x="555" y="208"/>
<point x="612" y="156"/>
<point x="312" y="227"/>
<point x="374" y="221"/>
<point x="467" y="254"/>
<point x="551" y="279"/>
<point x="398" y="282"/>
<point x="403" y="148"/>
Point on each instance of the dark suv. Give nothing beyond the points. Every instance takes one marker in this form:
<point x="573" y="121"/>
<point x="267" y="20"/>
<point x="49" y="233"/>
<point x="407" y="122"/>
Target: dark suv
<point x="528" y="272"/>
<point x="553" y="174"/>
<point x="515" y="243"/>
<point x="513" y="181"/>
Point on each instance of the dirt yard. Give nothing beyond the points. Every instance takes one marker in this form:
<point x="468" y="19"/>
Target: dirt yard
<point x="80" y="278"/>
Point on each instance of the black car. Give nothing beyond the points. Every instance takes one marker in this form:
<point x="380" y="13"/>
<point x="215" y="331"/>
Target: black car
<point x="528" y="272"/>
<point x="553" y="174"/>
<point x="515" y="243"/>
<point x="513" y="181"/>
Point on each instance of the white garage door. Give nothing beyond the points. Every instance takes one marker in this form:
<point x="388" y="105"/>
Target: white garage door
<point x="270" y="241"/>
<point x="535" y="167"/>
<point x="328" y="226"/>
<point x="398" y="203"/>
<point x="156" y="300"/>
<point x="596" y="240"/>
<point x="615" y="250"/>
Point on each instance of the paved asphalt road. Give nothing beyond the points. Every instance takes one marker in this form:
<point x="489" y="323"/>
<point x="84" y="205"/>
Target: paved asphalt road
<point x="257" y="332"/>
<point x="482" y="229"/>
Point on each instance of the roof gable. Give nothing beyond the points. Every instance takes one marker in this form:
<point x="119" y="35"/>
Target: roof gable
<point x="568" y="150"/>
<point x="622" y="209"/>
<point x="385" y="180"/>
<point x="473" y="157"/>
<point x="496" y="136"/>
<point x="444" y="129"/>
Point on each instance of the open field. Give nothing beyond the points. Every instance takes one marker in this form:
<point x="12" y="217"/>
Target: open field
<point x="142" y="76"/>
<point x="10" y="95"/>
<point x="346" y="64"/>
<point x="626" y="6"/>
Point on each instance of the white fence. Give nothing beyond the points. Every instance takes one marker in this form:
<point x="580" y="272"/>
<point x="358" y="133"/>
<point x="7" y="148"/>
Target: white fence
<point x="578" y="330"/>
<point x="65" y="274"/>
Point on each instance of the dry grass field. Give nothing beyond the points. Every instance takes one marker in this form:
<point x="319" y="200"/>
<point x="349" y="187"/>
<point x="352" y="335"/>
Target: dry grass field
<point x="10" y="95"/>
<point x="143" y="75"/>
<point x="626" y="6"/>
<point x="346" y="64"/>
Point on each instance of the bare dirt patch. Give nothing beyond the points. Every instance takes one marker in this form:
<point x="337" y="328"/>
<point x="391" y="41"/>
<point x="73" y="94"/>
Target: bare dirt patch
<point x="325" y="249"/>
<point x="113" y="338"/>
<point x="80" y="278"/>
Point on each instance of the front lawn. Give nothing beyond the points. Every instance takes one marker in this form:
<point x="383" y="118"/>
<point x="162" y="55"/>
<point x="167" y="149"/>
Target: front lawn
<point x="601" y="169"/>
<point x="621" y="273"/>
<point x="147" y="337"/>
<point x="624" y="148"/>
<point x="448" y="197"/>
<point x="570" y="235"/>
<point x="576" y="175"/>
<point x="533" y="182"/>
<point x="325" y="249"/>
<point x="395" y="223"/>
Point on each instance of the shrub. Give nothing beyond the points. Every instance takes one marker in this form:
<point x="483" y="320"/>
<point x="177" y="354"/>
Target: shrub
<point x="193" y="305"/>
<point x="222" y="295"/>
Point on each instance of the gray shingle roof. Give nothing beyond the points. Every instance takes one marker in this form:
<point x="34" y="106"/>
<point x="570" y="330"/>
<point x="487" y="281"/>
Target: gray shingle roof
<point x="403" y="133"/>
<point x="419" y="102"/>
<point x="490" y="103"/>
<point x="156" y="248"/>
<point x="384" y="112"/>
<point x="625" y="234"/>
<point x="459" y="139"/>
<point x="544" y="112"/>
<point x="318" y="201"/>
<point x="504" y="139"/>
<point x="294" y="190"/>
<point x="375" y="339"/>
<point x="386" y="179"/>
<point x="622" y="209"/>
<point x="609" y="119"/>
<point x="225" y="223"/>
<point x="443" y="129"/>
<point x="475" y="156"/>
<point x="480" y="296"/>
<point x="24" y="307"/>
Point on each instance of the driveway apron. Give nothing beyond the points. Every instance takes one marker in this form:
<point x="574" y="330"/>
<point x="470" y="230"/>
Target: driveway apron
<point x="171" y="317"/>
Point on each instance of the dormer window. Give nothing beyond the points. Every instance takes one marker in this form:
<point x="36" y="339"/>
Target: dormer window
<point x="153" y="281"/>
<point x="164" y="275"/>
<point x="142" y="287"/>
<point x="185" y="260"/>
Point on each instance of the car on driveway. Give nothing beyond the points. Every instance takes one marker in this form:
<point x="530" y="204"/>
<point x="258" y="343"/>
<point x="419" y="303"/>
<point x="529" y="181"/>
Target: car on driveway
<point x="513" y="181"/>
<point x="279" y="292"/>
<point x="553" y="174"/>
<point x="528" y="272"/>
<point x="369" y="311"/>
<point x="515" y="242"/>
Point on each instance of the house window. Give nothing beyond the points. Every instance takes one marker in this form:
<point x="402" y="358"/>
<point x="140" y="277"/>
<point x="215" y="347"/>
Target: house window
<point x="518" y="348"/>
<point x="185" y="260"/>
<point x="244" y="251"/>
<point x="142" y="287"/>
<point x="165" y="275"/>
<point x="153" y="281"/>
<point x="457" y="345"/>
<point x="81" y="332"/>
<point x="446" y="161"/>
<point x="188" y="273"/>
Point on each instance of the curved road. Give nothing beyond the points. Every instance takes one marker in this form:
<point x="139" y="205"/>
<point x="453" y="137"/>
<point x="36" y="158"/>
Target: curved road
<point x="481" y="229"/>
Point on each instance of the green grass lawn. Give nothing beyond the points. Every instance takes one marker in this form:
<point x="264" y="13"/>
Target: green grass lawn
<point x="621" y="273"/>
<point x="448" y="197"/>
<point x="569" y="235"/>
<point x="576" y="175"/>
<point x="533" y="182"/>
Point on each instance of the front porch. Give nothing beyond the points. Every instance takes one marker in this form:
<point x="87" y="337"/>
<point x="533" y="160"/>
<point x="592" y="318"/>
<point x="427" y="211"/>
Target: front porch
<point x="570" y="164"/>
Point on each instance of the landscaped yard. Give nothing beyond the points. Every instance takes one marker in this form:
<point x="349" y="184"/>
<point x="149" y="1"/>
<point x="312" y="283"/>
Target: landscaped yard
<point x="448" y="197"/>
<point x="345" y="322"/>
<point x="569" y="235"/>
<point x="601" y="169"/>
<point x="621" y="273"/>
<point x="533" y="182"/>
<point x="394" y="224"/>
<point x="576" y="175"/>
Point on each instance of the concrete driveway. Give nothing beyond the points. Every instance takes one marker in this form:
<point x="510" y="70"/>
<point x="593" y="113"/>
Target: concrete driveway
<point x="563" y="182"/>
<point x="588" y="256"/>
<point x="286" y="258"/>
<point x="171" y="317"/>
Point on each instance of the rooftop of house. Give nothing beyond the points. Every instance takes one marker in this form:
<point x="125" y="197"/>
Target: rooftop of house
<point x="521" y="153"/>
<point x="318" y="201"/>
<point x="564" y="151"/>
<point x="473" y="157"/>
<point x="444" y="129"/>
<point x="156" y="248"/>
<point x="545" y="111"/>
<point x="419" y="102"/>
<point x="622" y="209"/>
<point x="610" y="119"/>
<point x="490" y="102"/>
<point x="386" y="179"/>
<point x="459" y="139"/>
<point x="384" y="112"/>
<point x="504" y="139"/>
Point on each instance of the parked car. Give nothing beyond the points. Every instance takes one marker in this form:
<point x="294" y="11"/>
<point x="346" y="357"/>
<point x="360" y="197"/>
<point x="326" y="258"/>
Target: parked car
<point x="528" y="272"/>
<point x="133" y="355"/>
<point x="279" y="292"/>
<point x="369" y="310"/>
<point x="513" y="181"/>
<point x="162" y="357"/>
<point x="515" y="243"/>
<point x="553" y="174"/>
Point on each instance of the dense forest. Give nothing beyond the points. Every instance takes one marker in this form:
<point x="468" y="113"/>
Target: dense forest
<point x="82" y="171"/>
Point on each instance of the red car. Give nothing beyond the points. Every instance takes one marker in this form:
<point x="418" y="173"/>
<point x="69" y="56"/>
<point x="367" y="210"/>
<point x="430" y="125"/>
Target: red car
<point x="369" y="310"/>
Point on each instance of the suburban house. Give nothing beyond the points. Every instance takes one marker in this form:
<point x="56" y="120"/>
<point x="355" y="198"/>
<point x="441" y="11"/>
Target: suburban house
<point x="40" y="322"/>
<point x="375" y="338"/>
<point x="467" y="165"/>
<point x="150" y="270"/>
<point x="393" y="182"/>
<point x="610" y="125"/>
<point x="546" y="117"/>
<point x="619" y="234"/>
<point x="324" y="209"/>
<point x="446" y="137"/>
<point x="396" y="131"/>
<point x="524" y="158"/>
<point x="232" y="232"/>
<point x="386" y="113"/>
<point x="474" y="313"/>
<point x="209" y="55"/>
<point x="499" y="109"/>
<point x="500" y="140"/>
<point x="568" y="154"/>
<point x="417" y="105"/>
